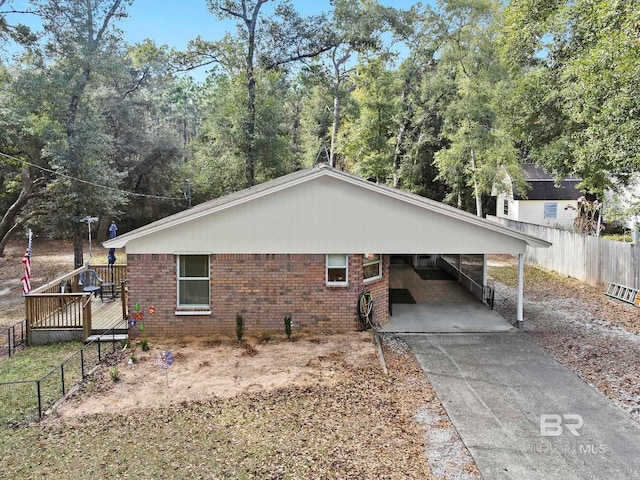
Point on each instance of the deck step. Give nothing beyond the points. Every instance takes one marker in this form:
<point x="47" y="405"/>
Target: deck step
<point x="116" y="337"/>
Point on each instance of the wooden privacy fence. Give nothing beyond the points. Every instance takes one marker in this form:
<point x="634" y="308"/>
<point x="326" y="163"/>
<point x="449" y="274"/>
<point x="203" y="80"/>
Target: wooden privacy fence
<point x="594" y="260"/>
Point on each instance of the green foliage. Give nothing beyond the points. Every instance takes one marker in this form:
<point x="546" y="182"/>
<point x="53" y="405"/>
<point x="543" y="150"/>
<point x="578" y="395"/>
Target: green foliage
<point x="288" y="325"/>
<point x="577" y="68"/>
<point x="218" y="164"/>
<point x="481" y="88"/>
<point x="366" y="137"/>
<point x="239" y="327"/>
<point x="479" y="146"/>
<point x="114" y="374"/>
<point x="144" y="344"/>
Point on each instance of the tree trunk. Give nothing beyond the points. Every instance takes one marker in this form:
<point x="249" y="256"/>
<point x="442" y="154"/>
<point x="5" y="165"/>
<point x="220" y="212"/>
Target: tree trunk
<point x="251" y="24"/>
<point x="475" y="184"/>
<point x="251" y="130"/>
<point x="10" y="223"/>
<point x="334" y="129"/>
<point x="78" y="256"/>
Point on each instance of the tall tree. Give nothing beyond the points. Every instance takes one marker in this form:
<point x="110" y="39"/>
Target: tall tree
<point x="270" y="43"/>
<point x="424" y="94"/>
<point x="479" y="145"/>
<point x="367" y="138"/>
<point x="217" y="166"/>
<point x="577" y="67"/>
<point x="80" y="38"/>
<point x="357" y="27"/>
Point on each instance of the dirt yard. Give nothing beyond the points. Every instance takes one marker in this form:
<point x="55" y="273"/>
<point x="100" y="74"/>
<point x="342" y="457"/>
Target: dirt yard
<point x="317" y="407"/>
<point x="205" y="368"/>
<point x="49" y="260"/>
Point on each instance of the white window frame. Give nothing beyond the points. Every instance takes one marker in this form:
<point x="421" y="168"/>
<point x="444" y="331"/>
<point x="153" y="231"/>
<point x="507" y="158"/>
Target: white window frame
<point x="505" y="207"/>
<point x="548" y="208"/>
<point x="368" y="260"/>
<point x="345" y="266"/>
<point x="180" y="279"/>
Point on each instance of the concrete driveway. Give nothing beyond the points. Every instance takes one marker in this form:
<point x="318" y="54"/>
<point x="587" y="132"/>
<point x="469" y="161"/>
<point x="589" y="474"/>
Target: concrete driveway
<point x="522" y="414"/>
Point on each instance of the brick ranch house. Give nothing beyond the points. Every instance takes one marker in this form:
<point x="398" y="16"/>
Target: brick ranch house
<point x="304" y="245"/>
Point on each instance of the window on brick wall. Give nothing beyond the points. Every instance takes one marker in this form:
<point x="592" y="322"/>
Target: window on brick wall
<point x="372" y="267"/>
<point x="337" y="269"/>
<point x="193" y="280"/>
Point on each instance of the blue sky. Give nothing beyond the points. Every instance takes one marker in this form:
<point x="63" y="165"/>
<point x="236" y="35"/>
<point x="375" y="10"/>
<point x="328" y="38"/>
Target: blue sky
<point x="175" y="22"/>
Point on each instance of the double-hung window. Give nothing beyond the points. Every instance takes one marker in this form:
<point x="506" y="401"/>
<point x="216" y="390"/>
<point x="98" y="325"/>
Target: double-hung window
<point x="551" y="210"/>
<point x="372" y="267"/>
<point x="337" y="270"/>
<point x="193" y="281"/>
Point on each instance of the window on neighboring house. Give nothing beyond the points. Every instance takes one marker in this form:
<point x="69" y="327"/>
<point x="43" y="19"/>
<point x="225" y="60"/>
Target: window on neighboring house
<point x="551" y="210"/>
<point x="337" y="269"/>
<point x="193" y="280"/>
<point x="505" y="206"/>
<point x="372" y="267"/>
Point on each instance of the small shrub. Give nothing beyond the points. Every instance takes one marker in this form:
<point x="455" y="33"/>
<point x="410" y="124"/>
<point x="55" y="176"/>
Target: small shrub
<point x="144" y="344"/>
<point x="264" y="337"/>
<point x="114" y="374"/>
<point x="239" y="327"/>
<point x="288" y="324"/>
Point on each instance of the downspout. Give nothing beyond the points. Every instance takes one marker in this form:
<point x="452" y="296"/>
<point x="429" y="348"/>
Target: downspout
<point x="519" y="316"/>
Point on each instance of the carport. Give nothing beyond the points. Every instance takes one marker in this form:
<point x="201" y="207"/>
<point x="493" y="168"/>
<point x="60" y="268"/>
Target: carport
<point x="442" y="304"/>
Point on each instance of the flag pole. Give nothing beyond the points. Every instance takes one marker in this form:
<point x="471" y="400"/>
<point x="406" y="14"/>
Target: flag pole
<point x="26" y="261"/>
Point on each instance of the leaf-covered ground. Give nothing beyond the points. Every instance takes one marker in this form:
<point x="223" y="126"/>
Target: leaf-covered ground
<point x="359" y="424"/>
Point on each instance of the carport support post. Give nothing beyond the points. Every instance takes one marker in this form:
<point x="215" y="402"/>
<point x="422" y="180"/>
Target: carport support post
<point x="519" y="316"/>
<point x="485" y="261"/>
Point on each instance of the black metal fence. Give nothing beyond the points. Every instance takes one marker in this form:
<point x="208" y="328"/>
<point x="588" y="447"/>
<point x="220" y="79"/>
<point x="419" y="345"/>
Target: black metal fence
<point x="26" y="401"/>
<point x="12" y="338"/>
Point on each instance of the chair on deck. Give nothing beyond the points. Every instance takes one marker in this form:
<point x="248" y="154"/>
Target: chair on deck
<point x="90" y="282"/>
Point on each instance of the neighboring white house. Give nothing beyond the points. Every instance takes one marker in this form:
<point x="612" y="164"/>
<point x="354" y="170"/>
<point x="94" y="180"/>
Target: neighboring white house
<point x="624" y="205"/>
<point x="545" y="204"/>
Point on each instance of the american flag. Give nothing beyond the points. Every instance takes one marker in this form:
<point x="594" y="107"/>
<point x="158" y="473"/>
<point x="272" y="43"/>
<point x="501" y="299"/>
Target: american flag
<point x="26" y="261"/>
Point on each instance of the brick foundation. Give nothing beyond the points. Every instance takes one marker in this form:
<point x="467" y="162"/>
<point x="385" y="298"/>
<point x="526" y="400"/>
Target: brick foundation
<point x="263" y="288"/>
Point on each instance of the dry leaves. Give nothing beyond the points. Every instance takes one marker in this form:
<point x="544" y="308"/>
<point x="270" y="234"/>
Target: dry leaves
<point x="596" y="336"/>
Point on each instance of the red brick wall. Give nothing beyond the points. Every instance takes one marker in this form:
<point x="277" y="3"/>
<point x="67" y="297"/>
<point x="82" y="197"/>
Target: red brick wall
<point x="263" y="288"/>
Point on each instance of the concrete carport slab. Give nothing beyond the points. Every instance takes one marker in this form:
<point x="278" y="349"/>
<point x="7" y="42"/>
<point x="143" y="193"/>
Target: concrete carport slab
<point x="445" y="318"/>
<point x="442" y="306"/>
<point x="522" y="414"/>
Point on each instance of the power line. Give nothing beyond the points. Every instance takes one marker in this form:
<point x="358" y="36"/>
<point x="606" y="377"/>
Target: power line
<point x="64" y="175"/>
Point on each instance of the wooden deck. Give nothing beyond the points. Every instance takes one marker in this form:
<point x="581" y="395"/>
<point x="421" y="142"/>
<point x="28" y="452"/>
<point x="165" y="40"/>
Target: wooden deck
<point x="60" y="309"/>
<point x="106" y="315"/>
